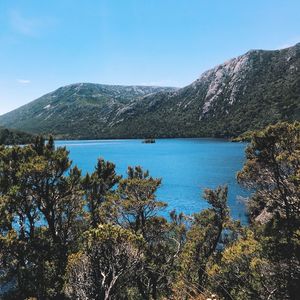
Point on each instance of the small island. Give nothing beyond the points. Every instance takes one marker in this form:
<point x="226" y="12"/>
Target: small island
<point x="149" y="141"/>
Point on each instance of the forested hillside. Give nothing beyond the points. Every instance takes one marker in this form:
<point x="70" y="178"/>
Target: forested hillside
<point x="82" y="110"/>
<point x="245" y="93"/>
<point x="14" y="137"/>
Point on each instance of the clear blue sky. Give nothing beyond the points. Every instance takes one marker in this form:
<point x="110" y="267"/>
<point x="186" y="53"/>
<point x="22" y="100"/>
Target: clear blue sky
<point x="45" y="44"/>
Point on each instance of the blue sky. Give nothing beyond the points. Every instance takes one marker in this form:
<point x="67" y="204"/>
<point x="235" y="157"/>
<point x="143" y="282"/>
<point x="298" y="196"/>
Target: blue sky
<point x="50" y="43"/>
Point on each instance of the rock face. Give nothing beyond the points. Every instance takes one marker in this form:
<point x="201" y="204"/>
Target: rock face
<point x="245" y="93"/>
<point x="233" y="81"/>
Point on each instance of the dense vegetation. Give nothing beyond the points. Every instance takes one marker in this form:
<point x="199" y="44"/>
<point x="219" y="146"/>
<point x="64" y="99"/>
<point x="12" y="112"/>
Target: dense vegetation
<point x="14" y="137"/>
<point x="246" y="93"/>
<point x="99" y="236"/>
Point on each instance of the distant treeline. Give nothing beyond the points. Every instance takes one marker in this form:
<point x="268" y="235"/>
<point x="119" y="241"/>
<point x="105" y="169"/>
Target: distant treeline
<point x="100" y="236"/>
<point x="14" y="137"/>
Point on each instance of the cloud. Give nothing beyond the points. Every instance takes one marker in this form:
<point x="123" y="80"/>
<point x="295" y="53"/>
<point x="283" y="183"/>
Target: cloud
<point x="25" y="26"/>
<point x="30" y="26"/>
<point x="23" y="81"/>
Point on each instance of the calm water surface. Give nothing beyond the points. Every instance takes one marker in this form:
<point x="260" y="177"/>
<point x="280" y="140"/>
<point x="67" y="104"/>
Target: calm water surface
<point x="187" y="167"/>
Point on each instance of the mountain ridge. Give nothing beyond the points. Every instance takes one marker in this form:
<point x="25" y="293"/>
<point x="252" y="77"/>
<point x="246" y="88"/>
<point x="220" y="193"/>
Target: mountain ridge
<point x="267" y="90"/>
<point x="247" y="92"/>
<point x="87" y="102"/>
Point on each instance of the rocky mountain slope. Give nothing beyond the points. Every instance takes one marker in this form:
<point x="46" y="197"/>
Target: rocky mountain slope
<point x="82" y="110"/>
<point x="245" y="93"/>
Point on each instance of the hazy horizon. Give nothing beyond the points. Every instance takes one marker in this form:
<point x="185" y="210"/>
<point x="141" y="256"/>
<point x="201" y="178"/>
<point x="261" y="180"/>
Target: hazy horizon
<point x="162" y="43"/>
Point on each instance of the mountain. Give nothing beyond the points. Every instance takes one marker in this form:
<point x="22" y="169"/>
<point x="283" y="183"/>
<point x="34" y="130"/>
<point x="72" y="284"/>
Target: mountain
<point x="247" y="92"/>
<point x="82" y="110"/>
<point x="14" y="137"/>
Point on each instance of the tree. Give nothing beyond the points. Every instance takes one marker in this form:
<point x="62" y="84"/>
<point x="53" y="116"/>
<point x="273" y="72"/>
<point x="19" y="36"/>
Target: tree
<point x="97" y="187"/>
<point x="272" y="171"/>
<point x="109" y="257"/>
<point x="14" y="137"/>
<point x="41" y="208"/>
<point x="243" y="271"/>
<point x="136" y="201"/>
<point x="203" y="238"/>
<point x="104" y="237"/>
<point x="136" y="208"/>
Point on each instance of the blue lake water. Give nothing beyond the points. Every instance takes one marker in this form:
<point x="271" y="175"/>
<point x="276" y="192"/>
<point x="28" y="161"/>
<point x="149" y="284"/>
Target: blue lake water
<point x="187" y="167"/>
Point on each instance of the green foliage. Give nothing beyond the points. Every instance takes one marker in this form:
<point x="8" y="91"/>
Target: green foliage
<point x="109" y="254"/>
<point x="98" y="187"/>
<point x="14" y="137"/>
<point x="273" y="171"/>
<point x="41" y="208"/>
<point x="244" y="137"/>
<point x="100" y="236"/>
<point x="135" y="200"/>
<point x="243" y="272"/>
<point x="136" y="209"/>
<point x="203" y="238"/>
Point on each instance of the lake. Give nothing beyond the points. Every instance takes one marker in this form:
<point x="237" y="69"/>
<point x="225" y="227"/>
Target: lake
<point x="186" y="166"/>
